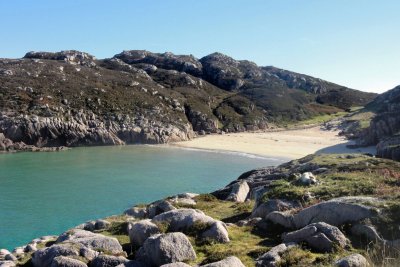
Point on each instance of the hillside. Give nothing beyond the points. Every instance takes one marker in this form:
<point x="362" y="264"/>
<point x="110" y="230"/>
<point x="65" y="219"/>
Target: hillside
<point x="321" y="210"/>
<point x="70" y="98"/>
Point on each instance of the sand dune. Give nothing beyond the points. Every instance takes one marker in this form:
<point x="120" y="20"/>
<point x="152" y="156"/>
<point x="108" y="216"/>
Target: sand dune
<point x="286" y="143"/>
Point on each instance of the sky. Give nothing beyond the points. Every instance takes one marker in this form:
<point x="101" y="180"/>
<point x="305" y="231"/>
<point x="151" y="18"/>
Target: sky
<point x="354" y="43"/>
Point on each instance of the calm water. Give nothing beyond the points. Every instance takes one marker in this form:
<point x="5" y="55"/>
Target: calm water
<point x="47" y="193"/>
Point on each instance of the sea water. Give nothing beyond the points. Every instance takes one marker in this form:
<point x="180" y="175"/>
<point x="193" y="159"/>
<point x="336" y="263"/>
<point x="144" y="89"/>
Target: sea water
<point x="48" y="193"/>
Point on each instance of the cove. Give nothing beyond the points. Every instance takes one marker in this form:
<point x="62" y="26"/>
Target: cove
<point x="48" y="193"/>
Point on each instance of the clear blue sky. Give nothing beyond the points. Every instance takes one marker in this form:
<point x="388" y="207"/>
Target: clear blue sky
<point x="351" y="42"/>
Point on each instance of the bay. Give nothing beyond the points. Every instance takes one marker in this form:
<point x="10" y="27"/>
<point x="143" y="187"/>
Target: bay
<point x="48" y="193"/>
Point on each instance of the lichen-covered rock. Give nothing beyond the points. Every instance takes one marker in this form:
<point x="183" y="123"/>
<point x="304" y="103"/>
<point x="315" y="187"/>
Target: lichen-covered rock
<point x="139" y="231"/>
<point x="320" y="236"/>
<point x="239" y="192"/>
<point x="137" y="212"/>
<point x="107" y="261"/>
<point x="44" y="257"/>
<point x="185" y="219"/>
<point x="132" y="263"/>
<point x="354" y="260"/>
<point x="335" y="212"/>
<point x="227" y="262"/>
<point x="62" y="261"/>
<point x="159" y="207"/>
<point x="176" y="264"/>
<point x="273" y="256"/>
<point x="216" y="232"/>
<point x="91" y="240"/>
<point x="271" y="205"/>
<point x="166" y="248"/>
<point x="7" y="264"/>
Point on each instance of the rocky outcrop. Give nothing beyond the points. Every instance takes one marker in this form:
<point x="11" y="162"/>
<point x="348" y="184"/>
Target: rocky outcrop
<point x="335" y="212"/>
<point x="384" y="129"/>
<point x="166" y="248"/>
<point x="320" y="236"/>
<point x="69" y="56"/>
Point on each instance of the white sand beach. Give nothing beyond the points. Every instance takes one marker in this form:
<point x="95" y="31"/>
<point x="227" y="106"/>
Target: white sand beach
<point x="290" y="144"/>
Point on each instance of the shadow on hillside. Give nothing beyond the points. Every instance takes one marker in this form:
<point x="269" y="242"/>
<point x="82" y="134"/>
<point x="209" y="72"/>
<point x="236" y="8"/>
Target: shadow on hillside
<point x="343" y="149"/>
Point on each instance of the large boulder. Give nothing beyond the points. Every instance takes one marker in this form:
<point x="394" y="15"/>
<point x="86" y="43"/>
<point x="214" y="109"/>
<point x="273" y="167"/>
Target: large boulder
<point x="44" y="257"/>
<point x="166" y="248"/>
<point x="239" y="192"/>
<point x="273" y="256"/>
<point x="354" y="260"/>
<point x="108" y="261"/>
<point x="91" y="240"/>
<point x="62" y="261"/>
<point x="176" y="264"/>
<point x="186" y="219"/>
<point x="131" y="264"/>
<point x="216" y="232"/>
<point x="320" y="236"/>
<point x="335" y="212"/>
<point x="141" y="230"/>
<point x="228" y="262"/>
<point x="7" y="264"/>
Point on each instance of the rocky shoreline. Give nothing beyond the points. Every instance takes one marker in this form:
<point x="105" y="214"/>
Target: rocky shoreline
<point x="296" y="214"/>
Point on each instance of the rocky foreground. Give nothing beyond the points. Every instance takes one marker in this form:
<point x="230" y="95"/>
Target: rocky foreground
<point x="326" y="210"/>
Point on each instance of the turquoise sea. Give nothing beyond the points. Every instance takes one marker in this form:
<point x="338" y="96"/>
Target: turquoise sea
<point x="47" y="193"/>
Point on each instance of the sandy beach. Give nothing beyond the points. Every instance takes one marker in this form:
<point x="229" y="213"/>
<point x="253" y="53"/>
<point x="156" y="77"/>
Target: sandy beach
<point x="290" y="144"/>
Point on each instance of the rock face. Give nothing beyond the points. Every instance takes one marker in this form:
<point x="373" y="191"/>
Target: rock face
<point x="320" y="236"/>
<point x="166" y="248"/>
<point x="70" y="98"/>
<point x="384" y="128"/>
<point x="354" y="260"/>
<point x="228" y="262"/>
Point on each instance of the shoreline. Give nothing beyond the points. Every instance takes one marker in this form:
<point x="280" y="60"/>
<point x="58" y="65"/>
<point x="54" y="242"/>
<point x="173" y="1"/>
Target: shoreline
<point x="287" y="144"/>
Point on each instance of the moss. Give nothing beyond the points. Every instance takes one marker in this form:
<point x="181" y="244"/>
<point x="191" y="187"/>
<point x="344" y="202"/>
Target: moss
<point x="244" y="244"/>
